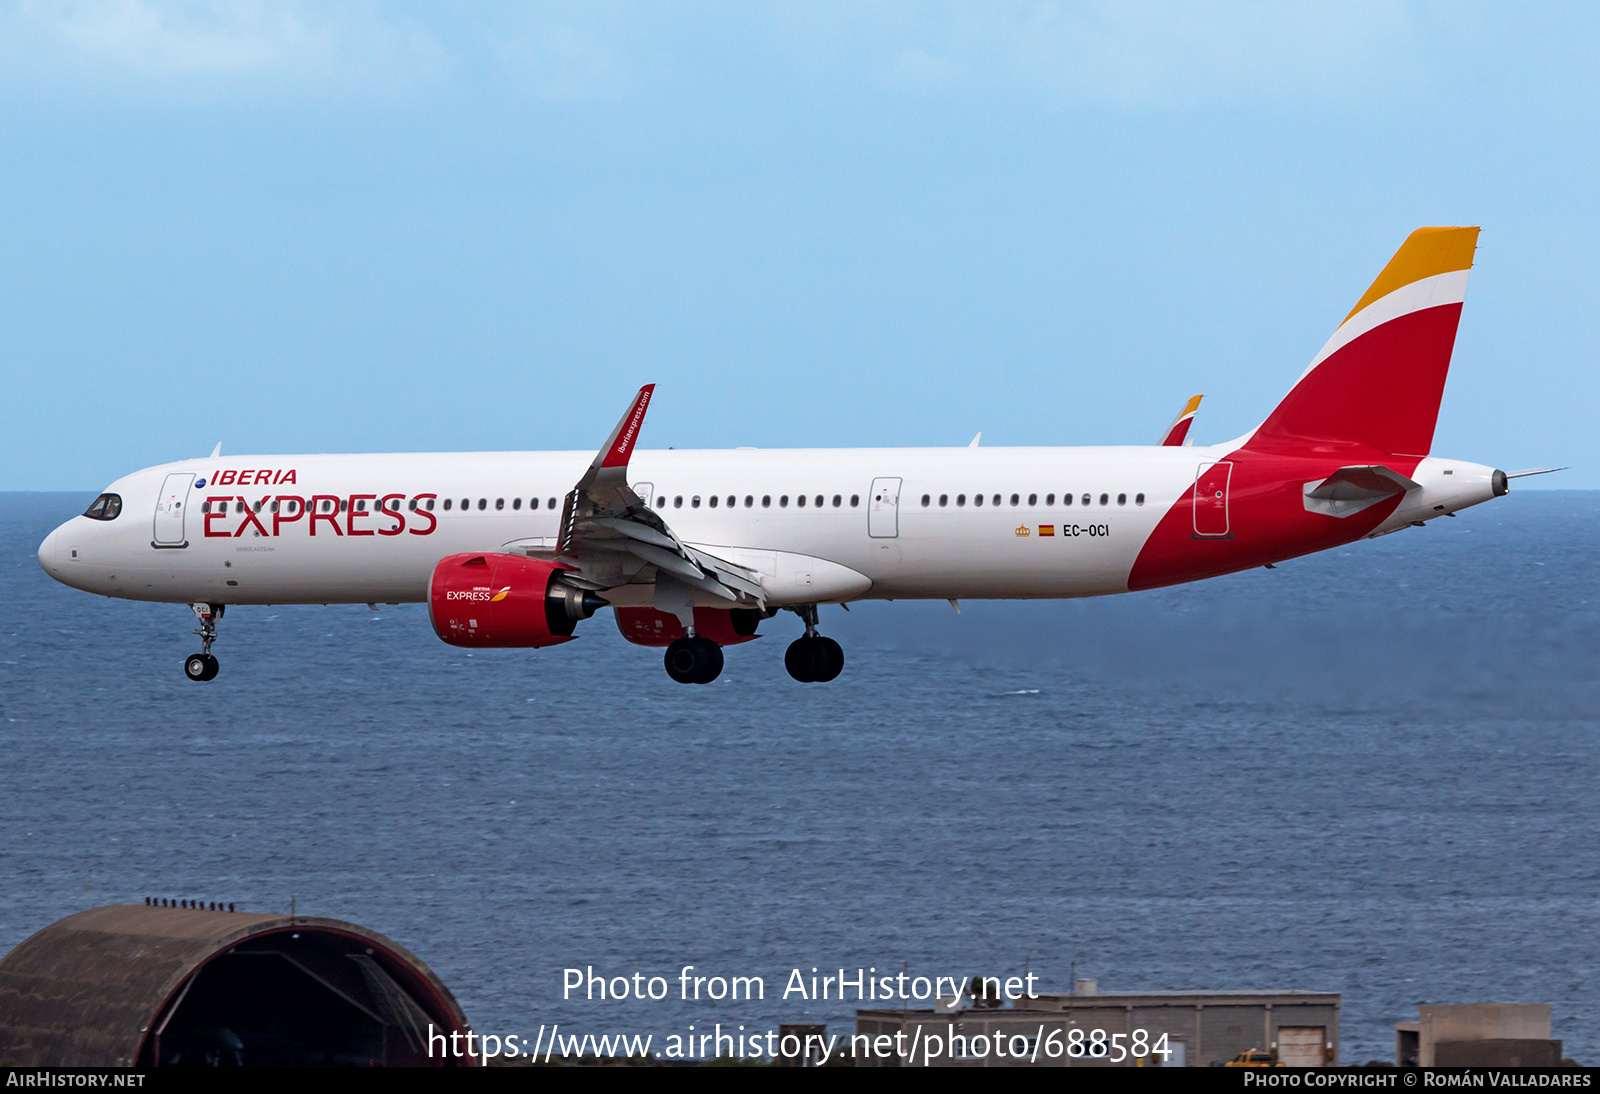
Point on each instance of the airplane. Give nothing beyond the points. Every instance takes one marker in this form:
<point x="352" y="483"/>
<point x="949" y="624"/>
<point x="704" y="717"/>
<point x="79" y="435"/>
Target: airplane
<point x="694" y="550"/>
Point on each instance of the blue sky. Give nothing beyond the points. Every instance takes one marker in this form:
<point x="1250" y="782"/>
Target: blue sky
<point x="370" y="227"/>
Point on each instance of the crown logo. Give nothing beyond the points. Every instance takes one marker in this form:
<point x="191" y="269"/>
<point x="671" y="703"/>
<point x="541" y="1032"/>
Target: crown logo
<point x="1023" y="530"/>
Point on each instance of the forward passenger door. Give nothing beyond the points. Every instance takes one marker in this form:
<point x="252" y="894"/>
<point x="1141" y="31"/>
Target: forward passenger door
<point x="883" y="509"/>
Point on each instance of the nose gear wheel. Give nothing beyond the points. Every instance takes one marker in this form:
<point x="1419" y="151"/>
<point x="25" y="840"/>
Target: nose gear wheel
<point x="202" y="666"/>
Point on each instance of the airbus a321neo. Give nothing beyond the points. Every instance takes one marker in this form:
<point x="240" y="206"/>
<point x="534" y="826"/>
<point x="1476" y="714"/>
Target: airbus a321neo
<point x="694" y="550"/>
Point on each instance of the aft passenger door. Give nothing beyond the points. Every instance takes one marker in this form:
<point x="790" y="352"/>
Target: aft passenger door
<point x="170" y="505"/>
<point x="1211" y="500"/>
<point x="883" y="509"/>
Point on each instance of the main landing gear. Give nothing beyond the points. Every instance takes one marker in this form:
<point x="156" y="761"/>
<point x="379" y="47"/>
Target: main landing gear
<point x="694" y="660"/>
<point x="202" y="666"/>
<point x="811" y="658"/>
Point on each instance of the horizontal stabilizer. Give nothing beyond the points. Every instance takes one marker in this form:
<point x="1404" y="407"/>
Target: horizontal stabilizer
<point x="1352" y="489"/>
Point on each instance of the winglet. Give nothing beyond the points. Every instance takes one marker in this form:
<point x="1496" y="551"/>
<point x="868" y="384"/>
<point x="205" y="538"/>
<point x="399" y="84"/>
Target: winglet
<point x="619" y="446"/>
<point x="1179" y="429"/>
<point x="605" y="483"/>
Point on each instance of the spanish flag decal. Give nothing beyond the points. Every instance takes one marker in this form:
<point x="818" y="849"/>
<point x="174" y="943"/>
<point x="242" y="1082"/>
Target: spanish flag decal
<point x="1047" y="529"/>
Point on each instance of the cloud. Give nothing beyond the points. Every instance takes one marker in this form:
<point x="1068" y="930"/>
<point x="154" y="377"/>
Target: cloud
<point x="208" y="46"/>
<point x="561" y="62"/>
<point x="1136" y="54"/>
<point x="1155" y="53"/>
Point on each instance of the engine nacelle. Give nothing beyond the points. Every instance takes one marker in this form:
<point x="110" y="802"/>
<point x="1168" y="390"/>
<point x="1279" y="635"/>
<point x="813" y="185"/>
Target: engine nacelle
<point x="724" y="626"/>
<point x="501" y="600"/>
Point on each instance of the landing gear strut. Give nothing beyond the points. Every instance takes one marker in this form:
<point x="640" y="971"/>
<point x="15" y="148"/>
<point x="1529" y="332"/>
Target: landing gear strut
<point x="202" y="666"/>
<point x="811" y="658"/>
<point x="694" y="660"/>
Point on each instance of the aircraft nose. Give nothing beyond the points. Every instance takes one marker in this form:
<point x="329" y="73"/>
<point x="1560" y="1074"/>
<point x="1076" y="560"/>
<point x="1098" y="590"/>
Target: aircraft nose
<point x="52" y="553"/>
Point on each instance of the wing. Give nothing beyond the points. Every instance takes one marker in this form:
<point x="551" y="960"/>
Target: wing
<point x="1179" y="429"/>
<point x="609" y="535"/>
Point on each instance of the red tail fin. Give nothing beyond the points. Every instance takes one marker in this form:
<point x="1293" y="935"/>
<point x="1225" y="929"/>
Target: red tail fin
<point x="1378" y="382"/>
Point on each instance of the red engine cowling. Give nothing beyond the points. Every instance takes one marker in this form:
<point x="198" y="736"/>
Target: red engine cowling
<point x="500" y="600"/>
<point x="724" y="626"/>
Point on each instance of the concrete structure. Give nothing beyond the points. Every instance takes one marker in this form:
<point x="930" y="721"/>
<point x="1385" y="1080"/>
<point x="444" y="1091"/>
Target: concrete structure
<point x="1201" y="1028"/>
<point x="131" y="985"/>
<point x="1478" y="1035"/>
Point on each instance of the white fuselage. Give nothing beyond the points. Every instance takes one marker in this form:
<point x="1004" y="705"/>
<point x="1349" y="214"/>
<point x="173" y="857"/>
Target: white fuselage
<point x="879" y="539"/>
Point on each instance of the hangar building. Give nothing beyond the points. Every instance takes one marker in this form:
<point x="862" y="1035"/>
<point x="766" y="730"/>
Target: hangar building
<point x="137" y="985"/>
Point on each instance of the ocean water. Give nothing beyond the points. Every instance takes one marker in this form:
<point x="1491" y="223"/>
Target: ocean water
<point x="1371" y="771"/>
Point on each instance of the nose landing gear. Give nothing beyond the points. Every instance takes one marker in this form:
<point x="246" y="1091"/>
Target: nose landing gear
<point x="812" y="658"/>
<point x="203" y="666"/>
<point x="694" y="660"/>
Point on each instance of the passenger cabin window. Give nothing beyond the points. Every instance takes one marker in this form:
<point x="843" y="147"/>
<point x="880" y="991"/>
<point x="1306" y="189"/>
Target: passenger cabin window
<point x="732" y="501"/>
<point x="1105" y="499"/>
<point x="1138" y="499"/>
<point x="714" y="501"/>
<point x="927" y="499"/>
<point x="783" y="501"/>
<point x="516" y="503"/>
<point x="855" y="500"/>
<point x="1015" y="500"/>
<point x="819" y="501"/>
<point x="1087" y="499"/>
<point x="446" y="505"/>
<point x="749" y="501"/>
<point x="677" y="502"/>
<point x="1049" y="499"/>
<point x="977" y="499"/>
<point x="997" y="500"/>
<point x="105" y="507"/>
<point x="1033" y="499"/>
<point x="533" y="503"/>
<point x="499" y="503"/>
<point x="800" y="501"/>
<point x="766" y="501"/>
<point x="838" y="501"/>
<point x="661" y="502"/>
<point x="1122" y="499"/>
<point x="961" y="499"/>
<point x="430" y="505"/>
<point x="1066" y="499"/>
<point x="694" y="502"/>
<point x="944" y="499"/>
<point x="552" y="503"/>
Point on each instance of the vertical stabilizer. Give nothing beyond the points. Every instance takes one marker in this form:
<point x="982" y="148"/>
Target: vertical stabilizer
<point x="1378" y="382"/>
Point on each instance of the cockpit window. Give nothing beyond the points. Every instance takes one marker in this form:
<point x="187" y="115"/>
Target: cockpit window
<point x="105" y="507"/>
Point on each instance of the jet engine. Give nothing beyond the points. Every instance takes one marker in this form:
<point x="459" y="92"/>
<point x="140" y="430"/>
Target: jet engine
<point x="501" y="600"/>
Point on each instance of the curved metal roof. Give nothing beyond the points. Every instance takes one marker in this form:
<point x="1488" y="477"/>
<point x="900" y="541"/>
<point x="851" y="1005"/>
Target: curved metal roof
<point x="86" y="991"/>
